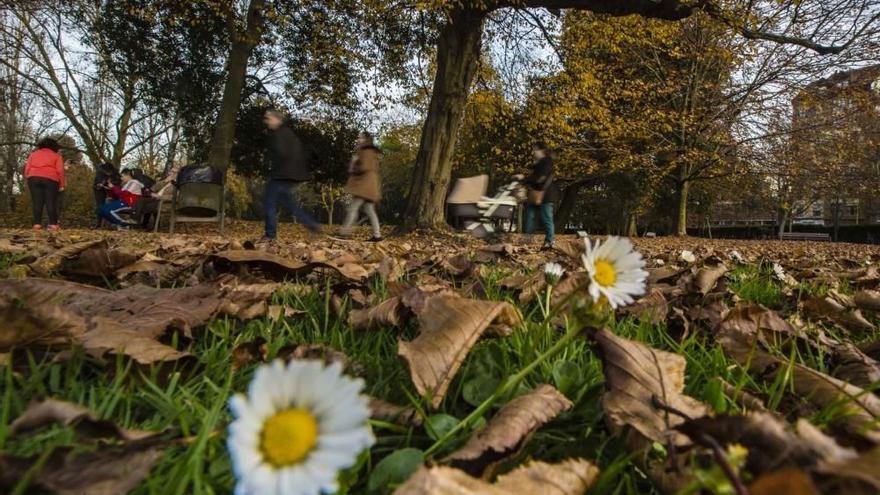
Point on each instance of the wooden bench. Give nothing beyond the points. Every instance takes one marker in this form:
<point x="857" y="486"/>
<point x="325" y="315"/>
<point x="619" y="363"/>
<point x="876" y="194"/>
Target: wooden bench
<point x="804" y="236"/>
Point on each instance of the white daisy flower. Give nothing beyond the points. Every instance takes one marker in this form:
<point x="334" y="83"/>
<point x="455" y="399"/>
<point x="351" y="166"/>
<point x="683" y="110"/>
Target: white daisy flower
<point x="687" y="256"/>
<point x="616" y="270"/>
<point x="299" y="424"/>
<point x="779" y="272"/>
<point x="553" y="272"/>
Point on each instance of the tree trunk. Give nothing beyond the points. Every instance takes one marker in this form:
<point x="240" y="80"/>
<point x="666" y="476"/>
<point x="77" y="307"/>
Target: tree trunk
<point x="782" y="218"/>
<point x="458" y="51"/>
<point x="172" y="147"/>
<point x="836" y="219"/>
<point x="123" y="124"/>
<point x="631" y="225"/>
<point x="566" y="203"/>
<point x="236" y="66"/>
<point x="681" y="227"/>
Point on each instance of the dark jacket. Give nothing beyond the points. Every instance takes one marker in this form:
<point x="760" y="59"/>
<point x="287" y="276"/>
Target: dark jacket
<point x="541" y="179"/>
<point x="286" y="157"/>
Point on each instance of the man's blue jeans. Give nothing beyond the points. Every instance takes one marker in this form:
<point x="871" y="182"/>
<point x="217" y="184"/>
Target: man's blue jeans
<point x="546" y="218"/>
<point x="285" y="191"/>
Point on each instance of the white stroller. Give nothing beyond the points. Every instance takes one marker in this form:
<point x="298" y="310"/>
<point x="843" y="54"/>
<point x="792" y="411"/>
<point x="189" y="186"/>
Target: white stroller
<point x="481" y="215"/>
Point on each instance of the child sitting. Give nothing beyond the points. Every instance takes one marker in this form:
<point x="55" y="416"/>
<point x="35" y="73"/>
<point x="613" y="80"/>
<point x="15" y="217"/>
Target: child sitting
<point x="124" y="198"/>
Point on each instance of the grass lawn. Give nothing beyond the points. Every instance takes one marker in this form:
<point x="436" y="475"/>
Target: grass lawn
<point x="188" y="401"/>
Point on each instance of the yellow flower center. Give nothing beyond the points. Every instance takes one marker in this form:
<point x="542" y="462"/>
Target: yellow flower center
<point x="605" y="273"/>
<point x="288" y="436"/>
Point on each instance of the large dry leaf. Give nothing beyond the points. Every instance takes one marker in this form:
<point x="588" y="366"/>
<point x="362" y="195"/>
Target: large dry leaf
<point x="826" y="447"/>
<point x="651" y="308"/>
<point x="769" y="442"/>
<point x="509" y="429"/>
<point x="708" y="276"/>
<point x="96" y="262"/>
<point x="277" y="267"/>
<point x="867" y="299"/>
<point x="856" y="476"/>
<point x="109" y="470"/>
<point x="861" y="408"/>
<point x="788" y="481"/>
<point x="569" y="477"/>
<point x="389" y="313"/>
<point x="7" y="247"/>
<point x="49" y="411"/>
<point x="635" y="375"/>
<point x="39" y="312"/>
<point x="449" y="326"/>
<point x="761" y="324"/>
<point x="48" y="264"/>
<point x="833" y="306"/>
<point x="854" y="366"/>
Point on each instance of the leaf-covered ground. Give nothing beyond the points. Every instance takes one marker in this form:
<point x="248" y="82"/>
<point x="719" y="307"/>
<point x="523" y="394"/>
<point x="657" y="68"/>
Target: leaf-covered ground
<point x="747" y="363"/>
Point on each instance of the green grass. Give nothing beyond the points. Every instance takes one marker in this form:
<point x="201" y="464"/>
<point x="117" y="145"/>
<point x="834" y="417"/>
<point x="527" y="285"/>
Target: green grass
<point x="756" y="284"/>
<point x="192" y="402"/>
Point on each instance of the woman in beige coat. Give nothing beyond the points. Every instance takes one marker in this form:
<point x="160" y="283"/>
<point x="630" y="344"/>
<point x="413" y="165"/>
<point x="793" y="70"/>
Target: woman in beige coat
<point x="364" y="186"/>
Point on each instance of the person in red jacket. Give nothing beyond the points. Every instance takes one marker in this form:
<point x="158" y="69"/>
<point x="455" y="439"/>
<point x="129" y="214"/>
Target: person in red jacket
<point x="44" y="171"/>
<point x="125" y="198"/>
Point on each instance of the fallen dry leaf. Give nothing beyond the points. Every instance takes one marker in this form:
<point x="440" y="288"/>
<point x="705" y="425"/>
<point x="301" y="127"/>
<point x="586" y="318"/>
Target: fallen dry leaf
<point x="509" y="429"/>
<point x="651" y="308"/>
<point x="276" y="267"/>
<point x="770" y="444"/>
<point x="109" y="470"/>
<point x="867" y="299"/>
<point x="44" y="313"/>
<point x="831" y="307"/>
<point x="48" y="264"/>
<point x="449" y="326"/>
<point x="49" y="411"/>
<point x="788" y="481"/>
<point x="390" y="312"/>
<point x="386" y="411"/>
<point x="634" y="375"/>
<point x="708" y="276"/>
<point x="569" y="477"/>
<point x="861" y="408"/>
<point x="854" y="366"/>
<point x="854" y="476"/>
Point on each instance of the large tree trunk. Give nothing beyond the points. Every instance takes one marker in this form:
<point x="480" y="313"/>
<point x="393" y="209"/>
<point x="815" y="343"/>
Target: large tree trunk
<point x="683" y="190"/>
<point x="458" y="51"/>
<point x="123" y="123"/>
<point x="236" y="66"/>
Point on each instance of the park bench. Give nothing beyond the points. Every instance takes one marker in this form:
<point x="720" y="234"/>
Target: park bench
<point x="804" y="236"/>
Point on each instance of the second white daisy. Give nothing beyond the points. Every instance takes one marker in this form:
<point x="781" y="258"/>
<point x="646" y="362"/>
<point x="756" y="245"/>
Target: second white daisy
<point x="616" y="270"/>
<point x="298" y="426"/>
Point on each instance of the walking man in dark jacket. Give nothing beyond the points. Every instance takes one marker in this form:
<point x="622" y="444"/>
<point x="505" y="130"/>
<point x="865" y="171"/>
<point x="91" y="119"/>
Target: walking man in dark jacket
<point x="287" y="168"/>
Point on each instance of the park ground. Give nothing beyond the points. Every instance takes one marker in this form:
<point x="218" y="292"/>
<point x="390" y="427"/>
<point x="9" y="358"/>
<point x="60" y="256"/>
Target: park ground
<point x="755" y="334"/>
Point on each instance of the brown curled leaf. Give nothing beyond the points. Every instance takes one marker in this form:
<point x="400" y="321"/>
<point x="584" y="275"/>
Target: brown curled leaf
<point x="636" y="377"/>
<point x="569" y="477"/>
<point x="449" y="326"/>
<point x="509" y="429"/>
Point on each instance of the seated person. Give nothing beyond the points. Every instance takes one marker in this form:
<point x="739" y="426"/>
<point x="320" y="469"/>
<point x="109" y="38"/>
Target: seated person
<point x="103" y="173"/>
<point x="124" y="200"/>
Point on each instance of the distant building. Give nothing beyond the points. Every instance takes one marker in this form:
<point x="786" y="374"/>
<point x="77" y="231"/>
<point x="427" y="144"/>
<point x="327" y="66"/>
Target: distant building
<point x="839" y="122"/>
<point x="838" y="119"/>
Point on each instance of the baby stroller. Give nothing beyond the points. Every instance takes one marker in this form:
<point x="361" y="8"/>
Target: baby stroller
<point x="483" y="216"/>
